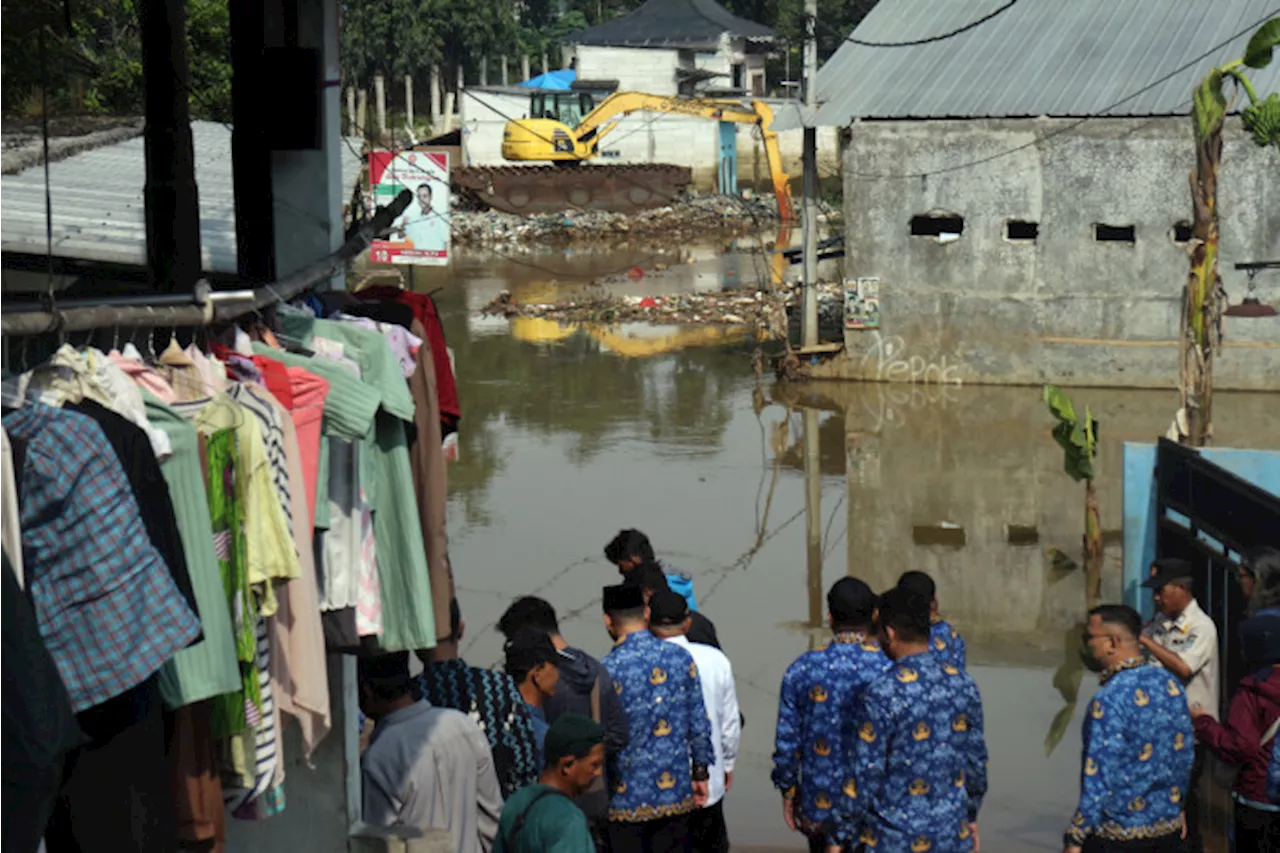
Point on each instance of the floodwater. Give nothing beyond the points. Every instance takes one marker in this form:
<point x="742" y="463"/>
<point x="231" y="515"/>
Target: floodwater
<point x="571" y="434"/>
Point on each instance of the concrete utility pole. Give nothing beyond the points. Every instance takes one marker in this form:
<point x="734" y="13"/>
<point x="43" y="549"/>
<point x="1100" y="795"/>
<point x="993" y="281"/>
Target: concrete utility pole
<point x="408" y="101"/>
<point x="435" y="99"/>
<point x="809" y="210"/>
<point x="380" y="104"/>
<point x="813" y="516"/>
<point x="505" y="78"/>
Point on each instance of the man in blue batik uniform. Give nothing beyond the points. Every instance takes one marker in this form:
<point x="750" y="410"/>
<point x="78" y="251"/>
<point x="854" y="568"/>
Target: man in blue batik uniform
<point x="818" y="692"/>
<point x="918" y="760"/>
<point x="1138" y="746"/>
<point x="944" y="640"/>
<point x="661" y="776"/>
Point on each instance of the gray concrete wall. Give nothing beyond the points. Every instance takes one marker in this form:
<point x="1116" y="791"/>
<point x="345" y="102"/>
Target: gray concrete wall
<point x="1064" y="309"/>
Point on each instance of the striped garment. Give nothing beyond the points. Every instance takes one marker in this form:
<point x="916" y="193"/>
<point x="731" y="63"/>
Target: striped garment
<point x="491" y="699"/>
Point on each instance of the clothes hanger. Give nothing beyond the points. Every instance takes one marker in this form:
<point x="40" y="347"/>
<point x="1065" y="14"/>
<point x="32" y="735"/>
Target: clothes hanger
<point x="174" y="355"/>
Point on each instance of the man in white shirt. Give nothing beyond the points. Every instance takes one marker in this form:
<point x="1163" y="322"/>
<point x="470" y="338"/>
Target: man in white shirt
<point x="1184" y="639"/>
<point x="422" y="225"/>
<point x="425" y="767"/>
<point x="669" y="620"/>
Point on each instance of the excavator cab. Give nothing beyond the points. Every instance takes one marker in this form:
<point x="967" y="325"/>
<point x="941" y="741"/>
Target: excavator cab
<point x="547" y="134"/>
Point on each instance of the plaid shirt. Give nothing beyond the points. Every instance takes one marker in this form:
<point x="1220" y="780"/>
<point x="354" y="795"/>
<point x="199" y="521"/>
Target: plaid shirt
<point x="106" y="604"/>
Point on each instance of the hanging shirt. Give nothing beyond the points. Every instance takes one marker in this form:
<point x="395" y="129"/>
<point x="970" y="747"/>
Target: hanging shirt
<point x="424" y="309"/>
<point x="947" y="644"/>
<point x="715" y="674"/>
<point x="491" y="699"/>
<point x="106" y="603"/>
<point x="270" y="553"/>
<point x="918" y="763"/>
<point x="10" y="526"/>
<point x="670" y="733"/>
<point x="208" y="668"/>
<point x="819" y="691"/>
<point x="1138" y="750"/>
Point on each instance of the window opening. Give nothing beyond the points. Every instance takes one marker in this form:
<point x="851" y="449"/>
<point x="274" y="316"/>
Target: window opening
<point x="1021" y="230"/>
<point x="1114" y="233"/>
<point x="1182" y="231"/>
<point x="944" y="226"/>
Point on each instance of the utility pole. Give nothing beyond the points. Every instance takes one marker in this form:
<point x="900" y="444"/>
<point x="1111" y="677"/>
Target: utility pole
<point x="813" y="518"/>
<point x="809" y="208"/>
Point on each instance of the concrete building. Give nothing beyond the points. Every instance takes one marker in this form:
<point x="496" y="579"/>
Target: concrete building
<point x="676" y="47"/>
<point x="1020" y="190"/>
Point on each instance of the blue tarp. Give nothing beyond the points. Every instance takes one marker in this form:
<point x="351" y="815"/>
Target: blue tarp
<point x="560" y="80"/>
<point x="1259" y="467"/>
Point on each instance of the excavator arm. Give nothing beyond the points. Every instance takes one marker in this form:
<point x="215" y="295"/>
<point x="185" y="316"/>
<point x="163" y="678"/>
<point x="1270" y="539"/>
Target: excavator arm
<point x="604" y="118"/>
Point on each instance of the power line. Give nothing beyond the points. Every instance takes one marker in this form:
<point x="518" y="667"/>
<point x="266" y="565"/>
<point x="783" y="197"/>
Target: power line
<point x="1073" y="125"/>
<point x="931" y="39"/>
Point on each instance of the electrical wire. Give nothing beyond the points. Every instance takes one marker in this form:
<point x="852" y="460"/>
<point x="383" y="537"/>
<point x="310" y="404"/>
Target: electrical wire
<point x="1102" y="113"/>
<point x="931" y="39"/>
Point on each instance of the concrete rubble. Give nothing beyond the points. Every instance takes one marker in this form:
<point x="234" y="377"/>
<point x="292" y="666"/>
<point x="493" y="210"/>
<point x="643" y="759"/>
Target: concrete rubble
<point x="722" y="308"/>
<point x="695" y="217"/>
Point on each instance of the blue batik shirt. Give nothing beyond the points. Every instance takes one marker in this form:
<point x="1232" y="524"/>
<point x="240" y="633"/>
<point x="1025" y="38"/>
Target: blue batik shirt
<point x="818" y="691"/>
<point x="1138" y="749"/>
<point x="918" y="761"/>
<point x="669" y="729"/>
<point x="947" y="644"/>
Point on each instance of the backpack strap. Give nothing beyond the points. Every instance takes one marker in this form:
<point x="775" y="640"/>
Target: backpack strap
<point x="595" y="699"/>
<point x="523" y="817"/>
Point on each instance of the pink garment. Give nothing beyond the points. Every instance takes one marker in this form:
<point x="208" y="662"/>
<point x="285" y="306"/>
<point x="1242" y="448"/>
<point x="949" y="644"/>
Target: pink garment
<point x="148" y="379"/>
<point x="369" y="588"/>
<point x="309" y="393"/>
<point x="299" y="678"/>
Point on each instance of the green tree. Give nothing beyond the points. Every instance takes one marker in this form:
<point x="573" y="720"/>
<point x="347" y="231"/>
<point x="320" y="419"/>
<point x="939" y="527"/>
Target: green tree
<point x="1078" y="438"/>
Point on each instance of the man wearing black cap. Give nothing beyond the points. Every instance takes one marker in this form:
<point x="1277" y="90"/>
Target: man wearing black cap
<point x="532" y="660"/>
<point x="669" y="620"/>
<point x="425" y="767"/>
<point x="661" y="777"/>
<point x="1184" y="640"/>
<point x="542" y="817"/>
<point x="650" y="578"/>
<point x="814" y="705"/>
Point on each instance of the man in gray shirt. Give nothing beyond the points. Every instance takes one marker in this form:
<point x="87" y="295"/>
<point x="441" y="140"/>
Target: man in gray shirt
<point x="425" y="767"/>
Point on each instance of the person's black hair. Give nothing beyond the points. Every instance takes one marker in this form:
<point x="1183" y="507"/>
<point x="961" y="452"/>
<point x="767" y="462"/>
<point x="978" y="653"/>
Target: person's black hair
<point x="1264" y="565"/>
<point x="386" y="675"/>
<point x="1119" y="616"/>
<point x="648" y="576"/>
<point x="529" y="612"/>
<point x="851" y="603"/>
<point x="629" y="543"/>
<point x="428" y="186"/>
<point x="920" y="584"/>
<point x="906" y="612"/>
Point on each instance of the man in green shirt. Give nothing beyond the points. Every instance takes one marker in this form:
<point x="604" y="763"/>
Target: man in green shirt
<point x="542" y="817"/>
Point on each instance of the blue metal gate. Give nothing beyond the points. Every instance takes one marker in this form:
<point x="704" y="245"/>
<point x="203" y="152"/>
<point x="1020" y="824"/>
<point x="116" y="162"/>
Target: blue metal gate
<point x="728" y="158"/>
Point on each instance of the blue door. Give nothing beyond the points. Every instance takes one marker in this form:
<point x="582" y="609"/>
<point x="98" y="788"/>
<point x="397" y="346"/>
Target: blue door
<point x="728" y="158"/>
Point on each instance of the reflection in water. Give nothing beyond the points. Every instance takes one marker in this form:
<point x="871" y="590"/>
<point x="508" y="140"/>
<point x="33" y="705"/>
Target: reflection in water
<point x="564" y="440"/>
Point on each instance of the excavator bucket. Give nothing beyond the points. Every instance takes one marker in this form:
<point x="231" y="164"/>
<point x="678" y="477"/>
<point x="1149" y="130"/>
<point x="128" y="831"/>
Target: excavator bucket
<point x="552" y="189"/>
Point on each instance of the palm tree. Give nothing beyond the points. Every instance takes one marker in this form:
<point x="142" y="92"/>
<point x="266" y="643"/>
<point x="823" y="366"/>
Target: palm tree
<point x="1203" y="298"/>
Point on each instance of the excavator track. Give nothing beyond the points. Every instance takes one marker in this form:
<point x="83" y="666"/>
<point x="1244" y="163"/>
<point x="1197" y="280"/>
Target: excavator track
<point x="552" y="189"/>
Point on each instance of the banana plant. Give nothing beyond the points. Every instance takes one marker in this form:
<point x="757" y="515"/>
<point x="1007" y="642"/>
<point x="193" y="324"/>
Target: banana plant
<point x="1078" y="438"/>
<point x="1203" y="297"/>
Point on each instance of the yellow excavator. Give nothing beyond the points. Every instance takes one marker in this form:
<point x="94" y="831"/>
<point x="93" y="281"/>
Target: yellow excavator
<point x="565" y="130"/>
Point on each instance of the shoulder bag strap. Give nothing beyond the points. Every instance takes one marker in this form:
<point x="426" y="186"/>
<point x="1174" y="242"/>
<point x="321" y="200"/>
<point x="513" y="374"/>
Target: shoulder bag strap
<point x="523" y="817"/>
<point x="595" y="699"/>
<point x="1270" y="732"/>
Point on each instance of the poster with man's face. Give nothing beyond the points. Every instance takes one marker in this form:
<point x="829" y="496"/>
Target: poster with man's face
<point x="421" y="234"/>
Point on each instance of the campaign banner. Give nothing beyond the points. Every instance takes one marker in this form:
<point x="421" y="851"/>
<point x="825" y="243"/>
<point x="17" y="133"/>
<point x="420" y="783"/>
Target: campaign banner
<point x="421" y="234"/>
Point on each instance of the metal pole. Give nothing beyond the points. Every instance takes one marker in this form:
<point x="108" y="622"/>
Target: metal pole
<point x="809" y="210"/>
<point x="813" y="516"/>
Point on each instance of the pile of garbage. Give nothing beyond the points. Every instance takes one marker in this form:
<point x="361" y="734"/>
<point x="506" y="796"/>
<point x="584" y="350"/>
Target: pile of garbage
<point x="695" y="217"/>
<point x="754" y="308"/>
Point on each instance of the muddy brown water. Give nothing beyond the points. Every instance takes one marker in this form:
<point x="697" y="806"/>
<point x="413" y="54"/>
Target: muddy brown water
<point x="570" y="434"/>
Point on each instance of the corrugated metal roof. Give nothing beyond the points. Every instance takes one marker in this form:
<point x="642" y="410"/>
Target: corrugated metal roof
<point x="98" y="211"/>
<point x="1040" y="58"/>
<point x="672" y="23"/>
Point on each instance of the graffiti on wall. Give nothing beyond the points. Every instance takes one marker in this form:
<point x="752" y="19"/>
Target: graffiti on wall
<point x="887" y="358"/>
